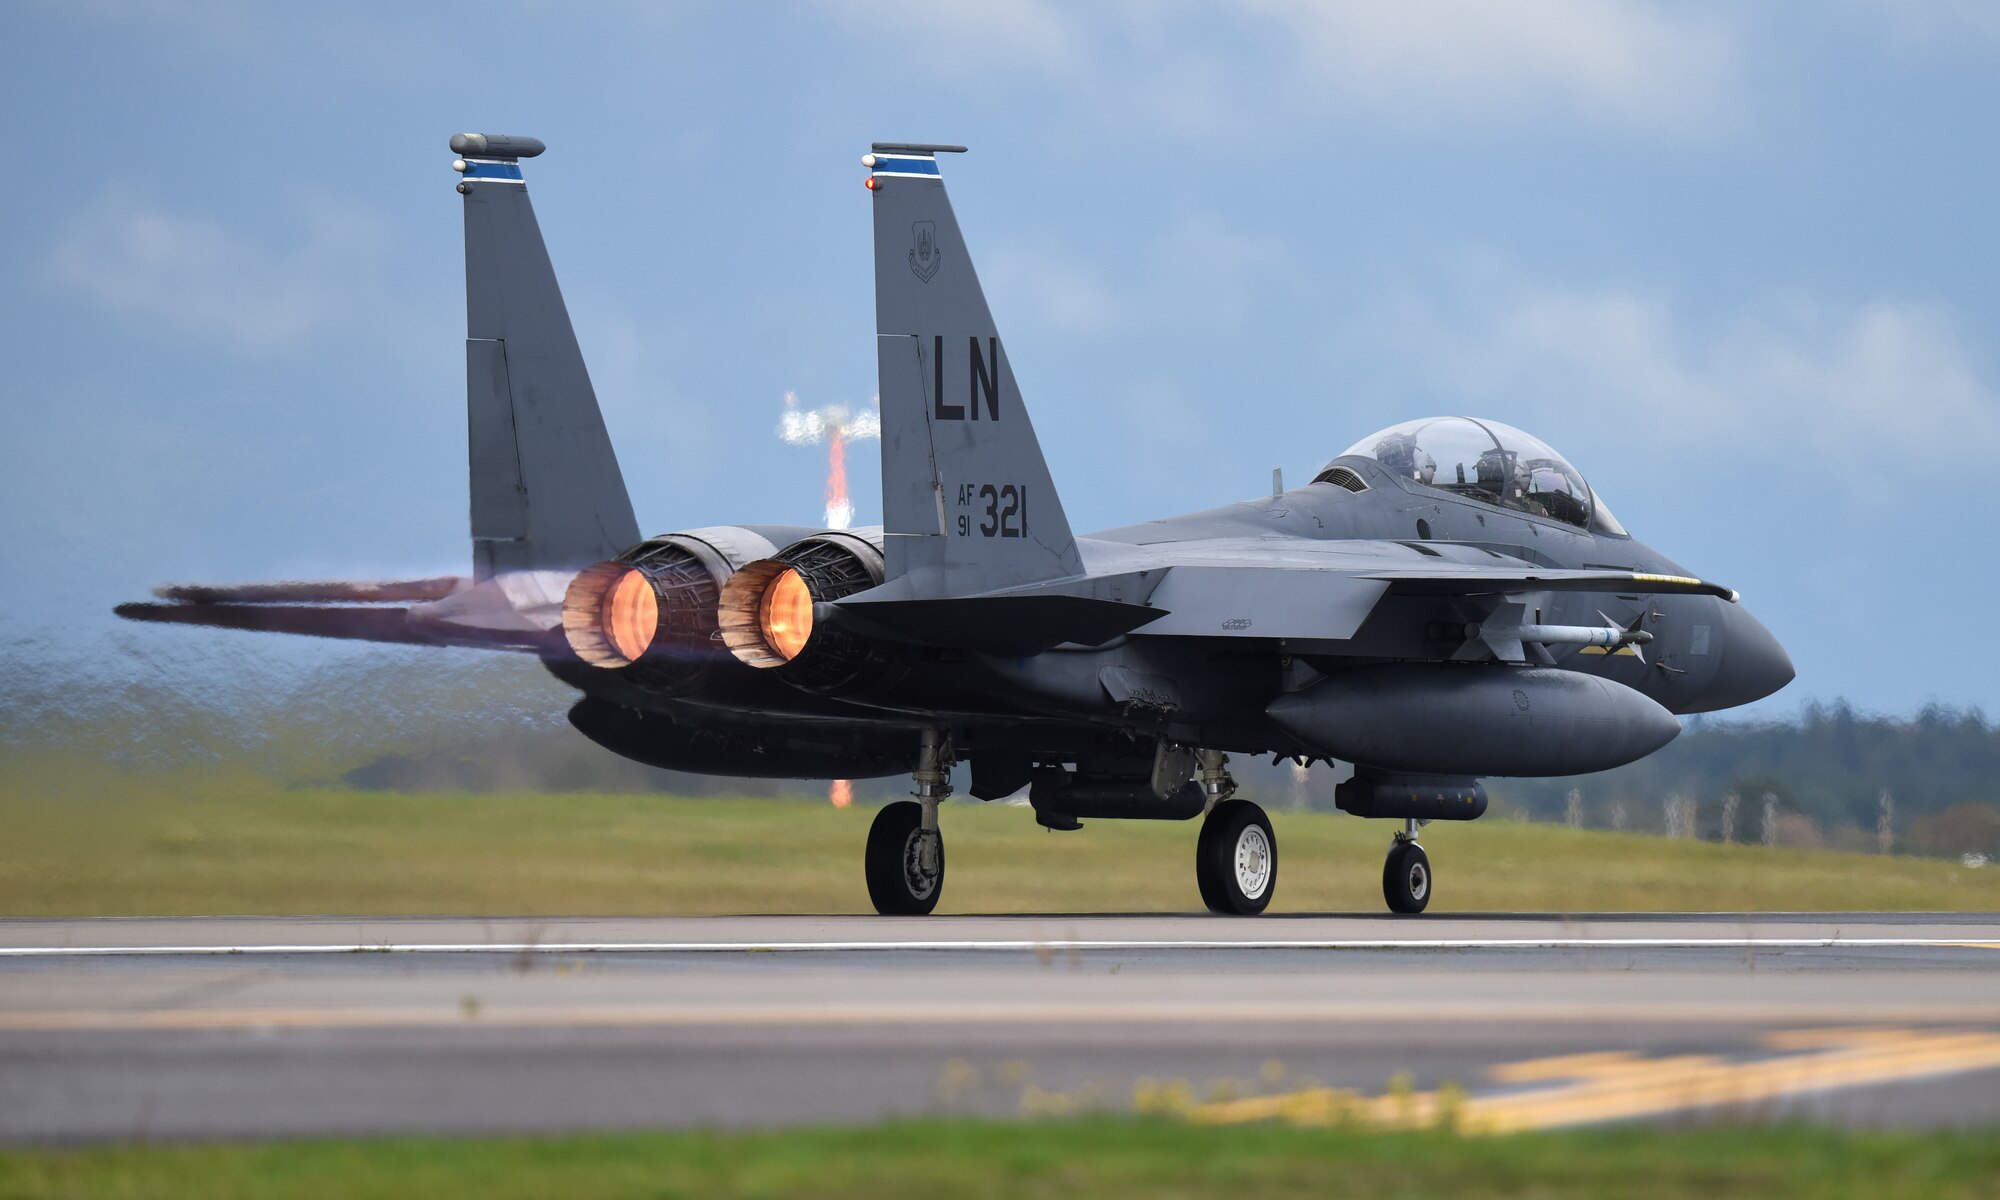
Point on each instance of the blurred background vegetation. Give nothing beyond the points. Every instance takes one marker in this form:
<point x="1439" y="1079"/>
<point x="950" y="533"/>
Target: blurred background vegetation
<point x="271" y="713"/>
<point x="457" y="721"/>
<point x="197" y="773"/>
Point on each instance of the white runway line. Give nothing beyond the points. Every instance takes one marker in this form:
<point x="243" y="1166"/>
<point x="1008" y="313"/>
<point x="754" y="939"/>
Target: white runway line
<point x="916" y="1013"/>
<point x="1723" y="943"/>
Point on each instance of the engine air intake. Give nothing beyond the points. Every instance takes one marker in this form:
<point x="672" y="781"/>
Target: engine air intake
<point x="1346" y="477"/>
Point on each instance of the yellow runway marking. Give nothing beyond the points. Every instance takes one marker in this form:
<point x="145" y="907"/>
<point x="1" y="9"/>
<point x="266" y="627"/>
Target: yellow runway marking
<point x="1618" y="1085"/>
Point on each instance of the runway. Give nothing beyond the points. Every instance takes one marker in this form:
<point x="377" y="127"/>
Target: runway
<point x="276" y="1027"/>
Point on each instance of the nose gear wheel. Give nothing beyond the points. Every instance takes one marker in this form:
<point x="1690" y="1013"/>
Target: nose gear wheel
<point x="1406" y="877"/>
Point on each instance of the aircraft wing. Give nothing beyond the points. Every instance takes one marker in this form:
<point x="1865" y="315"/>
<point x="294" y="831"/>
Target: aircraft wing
<point x="1331" y="602"/>
<point x="1458" y="579"/>
<point x="520" y="611"/>
<point x="1324" y="601"/>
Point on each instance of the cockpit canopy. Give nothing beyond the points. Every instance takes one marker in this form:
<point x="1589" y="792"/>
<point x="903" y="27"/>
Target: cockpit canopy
<point x="1489" y="462"/>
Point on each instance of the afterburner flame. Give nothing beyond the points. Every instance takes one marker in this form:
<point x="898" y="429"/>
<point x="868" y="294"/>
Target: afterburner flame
<point x="610" y="615"/>
<point x="631" y="615"/>
<point x="786" y="615"/>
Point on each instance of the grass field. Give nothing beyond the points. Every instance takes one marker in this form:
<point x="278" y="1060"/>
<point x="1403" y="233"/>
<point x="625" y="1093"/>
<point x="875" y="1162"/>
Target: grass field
<point x="111" y="844"/>
<point x="1100" y="1158"/>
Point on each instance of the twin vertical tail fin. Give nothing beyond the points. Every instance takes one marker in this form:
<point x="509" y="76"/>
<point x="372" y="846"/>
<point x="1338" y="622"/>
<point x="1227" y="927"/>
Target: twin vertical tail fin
<point x="967" y="502"/>
<point x="546" y="490"/>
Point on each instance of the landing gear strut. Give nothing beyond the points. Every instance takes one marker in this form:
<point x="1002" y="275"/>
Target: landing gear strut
<point x="1406" y="877"/>
<point x="1236" y="857"/>
<point x="905" y="857"/>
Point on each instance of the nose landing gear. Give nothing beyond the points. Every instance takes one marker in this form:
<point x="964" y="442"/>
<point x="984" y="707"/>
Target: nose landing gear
<point x="1406" y="876"/>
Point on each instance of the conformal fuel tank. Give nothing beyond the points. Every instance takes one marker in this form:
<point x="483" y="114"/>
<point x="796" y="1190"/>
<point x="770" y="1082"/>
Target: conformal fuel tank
<point x="1475" y="719"/>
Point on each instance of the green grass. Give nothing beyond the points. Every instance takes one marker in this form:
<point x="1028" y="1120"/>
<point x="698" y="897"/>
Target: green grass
<point x="95" y="843"/>
<point x="1099" y="1158"/>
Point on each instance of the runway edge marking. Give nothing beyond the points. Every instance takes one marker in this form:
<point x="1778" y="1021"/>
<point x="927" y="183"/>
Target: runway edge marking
<point x="454" y="1017"/>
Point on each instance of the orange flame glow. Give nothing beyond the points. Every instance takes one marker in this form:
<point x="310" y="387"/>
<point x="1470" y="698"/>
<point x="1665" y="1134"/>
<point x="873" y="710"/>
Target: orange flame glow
<point x="631" y="614"/>
<point x="787" y="614"/>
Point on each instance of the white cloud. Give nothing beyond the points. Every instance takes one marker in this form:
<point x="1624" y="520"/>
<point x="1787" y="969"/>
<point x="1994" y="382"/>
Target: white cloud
<point x="1214" y="271"/>
<point x="1196" y="71"/>
<point x="1157" y="416"/>
<point x="1886" y="382"/>
<point x="1612" y="61"/>
<point x="1022" y="33"/>
<point x="1039" y="283"/>
<point x="382" y="44"/>
<point x="1933" y="25"/>
<point x="1198" y="273"/>
<point x="191" y="276"/>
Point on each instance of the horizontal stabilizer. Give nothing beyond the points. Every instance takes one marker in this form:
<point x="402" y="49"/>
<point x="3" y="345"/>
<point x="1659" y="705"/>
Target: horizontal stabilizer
<point x="517" y="611"/>
<point x="403" y="591"/>
<point x="354" y="623"/>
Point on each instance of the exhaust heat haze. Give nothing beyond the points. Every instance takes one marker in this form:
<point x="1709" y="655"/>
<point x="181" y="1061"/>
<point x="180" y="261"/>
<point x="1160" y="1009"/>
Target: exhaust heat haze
<point x="836" y="426"/>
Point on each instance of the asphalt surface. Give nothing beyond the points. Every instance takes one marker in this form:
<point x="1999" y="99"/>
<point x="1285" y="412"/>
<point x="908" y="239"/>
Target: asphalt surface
<point x="277" y="1027"/>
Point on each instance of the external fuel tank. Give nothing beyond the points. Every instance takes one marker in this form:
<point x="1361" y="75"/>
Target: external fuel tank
<point x="1477" y="719"/>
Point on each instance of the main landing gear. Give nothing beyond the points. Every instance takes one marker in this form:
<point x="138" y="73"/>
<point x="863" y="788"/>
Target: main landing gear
<point x="1236" y="857"/>
<point x="1406" y="876"/>
<point x="905" y="857"/>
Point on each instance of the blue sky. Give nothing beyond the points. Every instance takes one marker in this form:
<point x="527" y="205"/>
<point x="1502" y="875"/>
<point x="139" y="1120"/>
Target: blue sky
<point x="1737" y="262"/>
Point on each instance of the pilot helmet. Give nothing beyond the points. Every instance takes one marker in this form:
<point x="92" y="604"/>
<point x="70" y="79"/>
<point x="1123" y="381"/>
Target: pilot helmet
<point x="1400" y="453"/>
<point x="1497" y="470"/>
<point x="1544" y="475"/>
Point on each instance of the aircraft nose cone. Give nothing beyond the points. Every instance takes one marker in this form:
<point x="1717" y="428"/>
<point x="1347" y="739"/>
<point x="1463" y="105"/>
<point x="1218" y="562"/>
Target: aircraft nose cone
<point x="1754" y="665"/>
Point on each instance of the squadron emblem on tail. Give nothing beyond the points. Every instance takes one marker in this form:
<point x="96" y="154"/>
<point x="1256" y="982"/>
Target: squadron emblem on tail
<point x="924" y="255"/>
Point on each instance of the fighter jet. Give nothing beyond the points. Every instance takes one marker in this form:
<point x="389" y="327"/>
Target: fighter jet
<point x="1448" y="600"/>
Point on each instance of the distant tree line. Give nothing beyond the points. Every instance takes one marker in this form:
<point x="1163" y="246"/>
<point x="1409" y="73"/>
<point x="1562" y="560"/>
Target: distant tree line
<point x="1835" y="776"/>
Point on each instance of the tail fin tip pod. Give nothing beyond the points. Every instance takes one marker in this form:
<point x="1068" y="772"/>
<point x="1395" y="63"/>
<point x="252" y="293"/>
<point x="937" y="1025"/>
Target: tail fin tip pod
<point x="546" y="489"/>
<point x="967" y="501"/>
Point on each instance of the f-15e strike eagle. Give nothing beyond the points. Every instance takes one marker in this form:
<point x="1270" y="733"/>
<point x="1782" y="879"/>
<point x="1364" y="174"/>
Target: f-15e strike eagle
<point x="1446" y="600"/>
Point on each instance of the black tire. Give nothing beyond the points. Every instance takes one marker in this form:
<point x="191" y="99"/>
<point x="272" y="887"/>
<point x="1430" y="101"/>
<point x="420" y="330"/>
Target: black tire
<point x="1236" y="829"/>
<point x="895" y="884"/>
<point x="1406" y="878"/>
